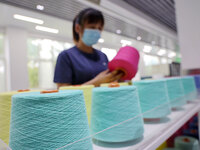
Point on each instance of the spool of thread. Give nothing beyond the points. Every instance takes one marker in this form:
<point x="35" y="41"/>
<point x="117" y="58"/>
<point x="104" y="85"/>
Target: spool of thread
<point x="186" y="143"/>
<point x="126" y="61"/>
<point x="175" y="92"/>
<point x="197" y="83"/>
<point x="189" y="88"/>
<point x="154" y="99"/>
<point x="191" y="132"/>
<point x="193" y="125"/>
<point x="49" y="121"/>
<point x="5" y="111"/>
<point x="120" y="83"/>
<point x="87" y="92"/>
<point x="111" y="108"/>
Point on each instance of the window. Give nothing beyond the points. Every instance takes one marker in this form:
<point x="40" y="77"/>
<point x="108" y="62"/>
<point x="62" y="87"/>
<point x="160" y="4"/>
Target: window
<point x="110" y="53"/>
<point x="155" y="66"/>
<point x="151" y="60"/>
<point x="2" y="65"/>
<point x="42" y="56"/>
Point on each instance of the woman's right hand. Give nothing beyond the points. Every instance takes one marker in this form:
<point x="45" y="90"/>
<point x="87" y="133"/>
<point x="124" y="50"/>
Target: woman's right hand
<point x="106" y="77"/>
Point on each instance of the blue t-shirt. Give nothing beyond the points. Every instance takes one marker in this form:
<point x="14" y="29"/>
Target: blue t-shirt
<point x="76" y="67"/>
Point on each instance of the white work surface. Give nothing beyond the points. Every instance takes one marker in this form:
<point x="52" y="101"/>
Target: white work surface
<point x="157" y="133"/>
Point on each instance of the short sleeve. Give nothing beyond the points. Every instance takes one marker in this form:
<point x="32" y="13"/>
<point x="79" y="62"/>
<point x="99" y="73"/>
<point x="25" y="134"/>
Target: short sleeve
<point x="63" y="69"/>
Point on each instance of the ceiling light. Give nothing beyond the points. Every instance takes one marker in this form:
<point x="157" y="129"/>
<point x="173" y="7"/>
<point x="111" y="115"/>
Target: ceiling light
<point x="28" y="19"/>
<point x="118" y="31"/>
<point x="101" y="40"/>
<point x="171" y="54"/>
<point x="139" y="38"/>
<point x="40" y="7"/>
<point x="46" y="29"/>
<point x="161" y="52"/>
<point x="147" y="49"/>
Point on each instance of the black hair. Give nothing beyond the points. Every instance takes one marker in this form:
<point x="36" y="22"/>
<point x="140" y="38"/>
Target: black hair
<point x="88" y="15"/>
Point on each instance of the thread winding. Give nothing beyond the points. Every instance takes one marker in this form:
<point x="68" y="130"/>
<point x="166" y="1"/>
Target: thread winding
<point x="87" y="93"/>
<point x="189" y="88"/>
<point x="49" y="121"/>
<point x="153" y="93"/>
<point x="111" y="106"/>
<point x="175" y="92"/>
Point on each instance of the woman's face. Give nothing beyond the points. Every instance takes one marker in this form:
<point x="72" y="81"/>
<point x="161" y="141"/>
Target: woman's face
<point x="80" y="29"/>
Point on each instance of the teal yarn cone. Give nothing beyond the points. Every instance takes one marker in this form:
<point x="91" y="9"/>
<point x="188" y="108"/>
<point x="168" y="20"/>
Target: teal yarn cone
<point x="154" y="99"/>
<point x="186" y="143"/>
<point x="189" y="88"/>
<point x="175" y="92"/>
<point x="49" y="121"/>
<point x="111" y="108"/>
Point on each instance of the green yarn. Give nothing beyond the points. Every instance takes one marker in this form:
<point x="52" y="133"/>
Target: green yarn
<point x="153" y="97"/>
<point x="189" y="88"/>
<point x="110" y="108"/>
<point x="49" y="121"/>
<point x="87" y="93"/>
<point x="175" y="92"/>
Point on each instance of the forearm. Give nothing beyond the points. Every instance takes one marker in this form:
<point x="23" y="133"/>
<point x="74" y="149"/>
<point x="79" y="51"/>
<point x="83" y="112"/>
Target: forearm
<point x="105" y="77"/>
<point x="92" y="82"/>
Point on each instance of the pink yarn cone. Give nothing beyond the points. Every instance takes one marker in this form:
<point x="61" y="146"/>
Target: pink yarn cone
<point x="126" y="60"/>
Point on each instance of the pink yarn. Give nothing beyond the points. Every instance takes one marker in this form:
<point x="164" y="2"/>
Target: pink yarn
<point x="126" y="60"/>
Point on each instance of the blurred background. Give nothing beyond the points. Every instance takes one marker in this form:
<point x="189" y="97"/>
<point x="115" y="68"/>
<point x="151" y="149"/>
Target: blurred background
<point x="34" y="32"/>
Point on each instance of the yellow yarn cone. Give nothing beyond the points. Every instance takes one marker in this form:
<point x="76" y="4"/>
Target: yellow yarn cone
<point x="120" y="83"/>
<point x="5" y="110"/>
<point x="87" y="92"/>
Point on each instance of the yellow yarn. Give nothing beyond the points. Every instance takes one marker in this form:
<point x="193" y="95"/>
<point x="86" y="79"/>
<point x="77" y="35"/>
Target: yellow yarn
<point x="162" y="146"/>
<point x="5" y="110"/>
<point x="120" y="83"/>
<point x="130" y="83"/>
<point x="87" y="92"/>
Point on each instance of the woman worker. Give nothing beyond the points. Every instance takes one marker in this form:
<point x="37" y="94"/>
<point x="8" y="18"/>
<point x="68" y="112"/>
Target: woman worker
<point x="82" y="64"/>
